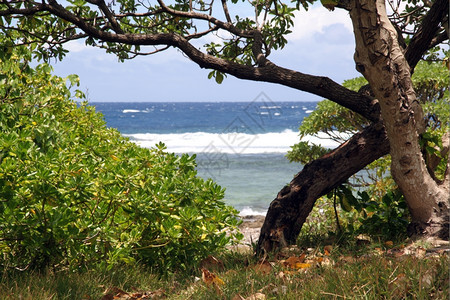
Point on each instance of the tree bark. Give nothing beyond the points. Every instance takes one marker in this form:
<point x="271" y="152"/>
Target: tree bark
<point x="380" y="59"/>
<point x="291" y="207"/>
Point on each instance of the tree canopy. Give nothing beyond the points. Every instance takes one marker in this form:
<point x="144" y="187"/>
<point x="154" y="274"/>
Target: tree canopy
<point x="131" y="28"/>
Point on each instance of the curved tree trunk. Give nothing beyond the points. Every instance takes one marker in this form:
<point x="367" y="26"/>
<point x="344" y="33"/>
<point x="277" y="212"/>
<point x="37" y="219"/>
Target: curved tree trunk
<point x="381" y="60"/>
<point x="291" y="207"/>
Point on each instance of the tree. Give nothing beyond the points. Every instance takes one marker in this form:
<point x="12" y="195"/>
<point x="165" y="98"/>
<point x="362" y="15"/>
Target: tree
<point x="379" y="57"/>
<point x="387" y="51"/>
<point x="371" y="195"/>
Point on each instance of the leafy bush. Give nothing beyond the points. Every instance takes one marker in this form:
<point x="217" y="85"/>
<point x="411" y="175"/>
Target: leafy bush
<point x="384" y="215"/>
<point x="75" y="193"/>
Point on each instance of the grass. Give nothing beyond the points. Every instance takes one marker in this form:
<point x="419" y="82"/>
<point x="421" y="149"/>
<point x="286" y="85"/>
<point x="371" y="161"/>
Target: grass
<point x="345" y="270"/>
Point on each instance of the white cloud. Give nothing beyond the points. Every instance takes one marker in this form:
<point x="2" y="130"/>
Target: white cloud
<point x="308" y="23"/>
<point x="76" y="46"/>
<point x="215" y="37"/>
<point x="96" y="58"/>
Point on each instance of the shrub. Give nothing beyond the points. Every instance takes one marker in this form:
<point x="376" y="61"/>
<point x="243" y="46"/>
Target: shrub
<point x="75" y="193"/>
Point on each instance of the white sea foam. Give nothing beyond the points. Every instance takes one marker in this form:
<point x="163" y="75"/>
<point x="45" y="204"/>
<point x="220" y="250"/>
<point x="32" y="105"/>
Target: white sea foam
<point x="238" y="143"/>
<point x="248" y="211"/>
<point x="126" y="111"/>
<point x="270" y="107"/>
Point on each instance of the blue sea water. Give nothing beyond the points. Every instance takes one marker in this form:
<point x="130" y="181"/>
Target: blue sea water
<point x="241" y="145"/>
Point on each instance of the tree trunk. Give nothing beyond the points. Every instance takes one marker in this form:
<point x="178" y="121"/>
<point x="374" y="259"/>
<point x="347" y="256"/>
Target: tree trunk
<point x="381" y="60"/>
<point x="291" y="207"/>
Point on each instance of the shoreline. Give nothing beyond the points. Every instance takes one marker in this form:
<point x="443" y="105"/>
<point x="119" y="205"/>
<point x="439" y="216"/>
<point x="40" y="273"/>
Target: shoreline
<point x="250" y="228"/>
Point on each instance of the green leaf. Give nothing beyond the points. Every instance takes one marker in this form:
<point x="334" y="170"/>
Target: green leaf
<point x="219" y="77"/>
<point x="345" y="204"/>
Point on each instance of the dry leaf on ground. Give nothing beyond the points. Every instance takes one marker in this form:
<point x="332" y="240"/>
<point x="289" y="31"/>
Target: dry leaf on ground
<point x="257" y="296"/>
<point x="263" y="267"/>
<point x="327" y="250"/>
<point x="238" y="297"/>
<point x="211" y="278"/>
<point x="399" y="285"/>
<point x="212" y="263"/>
<point x="115" y="293"/>
<point x="303" y="266"/>
<point x="389" y="244"/>
<point x="293" y="261"/>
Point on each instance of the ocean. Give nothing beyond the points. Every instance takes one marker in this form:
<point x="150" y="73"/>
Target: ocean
<point x="240" y="145"/>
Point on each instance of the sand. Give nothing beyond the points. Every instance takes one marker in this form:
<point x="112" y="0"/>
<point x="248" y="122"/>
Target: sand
<point x="250" y="228"/>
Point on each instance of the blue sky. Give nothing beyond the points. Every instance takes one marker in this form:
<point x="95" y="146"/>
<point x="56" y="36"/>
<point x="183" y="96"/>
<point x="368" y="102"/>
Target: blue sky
<point x="322" y="43"/>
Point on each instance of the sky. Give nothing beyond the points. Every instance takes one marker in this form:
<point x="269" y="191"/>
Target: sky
<point x="321" y="43"/>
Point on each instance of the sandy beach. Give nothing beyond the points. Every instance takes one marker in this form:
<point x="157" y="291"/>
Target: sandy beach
<point x="250" y="228"/>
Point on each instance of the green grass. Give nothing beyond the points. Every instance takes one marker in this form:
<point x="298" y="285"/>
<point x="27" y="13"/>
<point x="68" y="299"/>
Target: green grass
<point x="371" y="271"/>
<point x="73" y="285"/>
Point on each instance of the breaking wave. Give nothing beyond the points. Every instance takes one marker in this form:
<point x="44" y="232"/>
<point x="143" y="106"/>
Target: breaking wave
<point x="233" y="142"/>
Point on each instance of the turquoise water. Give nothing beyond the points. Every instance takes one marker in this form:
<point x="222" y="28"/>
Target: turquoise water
<point x="251" y="181"/>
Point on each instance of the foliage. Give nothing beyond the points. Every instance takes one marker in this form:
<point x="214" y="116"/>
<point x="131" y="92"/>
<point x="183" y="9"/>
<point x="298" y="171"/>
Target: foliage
<point x="388" y="217"/>
<point x="385" y="216"/>
<point x="305" y="152"/>
<point x="331" y="119"/>
<point x="273" y="19"/>
<point x="145" y="24"/>
<point x="431" y="83"/>
<point x="75" y="193"/>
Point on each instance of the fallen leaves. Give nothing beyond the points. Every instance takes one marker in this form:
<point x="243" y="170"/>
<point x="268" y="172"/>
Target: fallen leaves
<point x="327" y="250"/>
<point x="306" y="261"/>
<point x="256" y="296"/>
<point x="294" y="262"/>
<point x="212" y="263"/>
<point x="115" y="293"/>
<point x="279" y="276"/>
<point x="264" y="267"/>
<point x="389" y="244"/>
<point x="211" y="279"/>
<point x="399" y="285"/>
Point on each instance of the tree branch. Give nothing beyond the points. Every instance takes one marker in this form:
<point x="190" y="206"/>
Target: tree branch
<point x="430" y="26"/>
<point x="267" y="72"/>
<point x="291" y="207"/>
<point x="225" y="11"/>
<point x="439" y="39"/>
<point x="194" y="15"/>
<point x="102" y="5"/>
